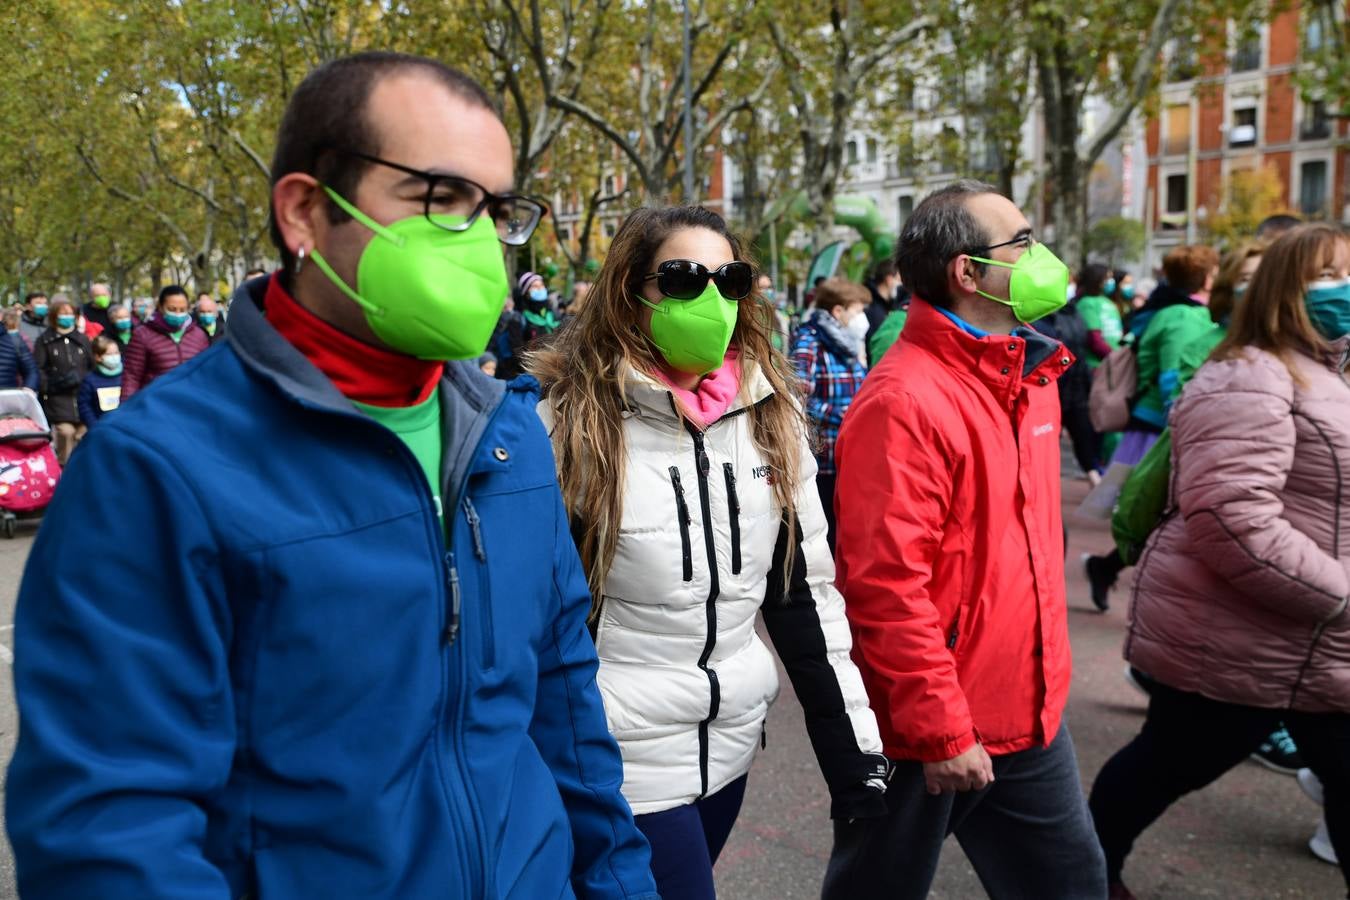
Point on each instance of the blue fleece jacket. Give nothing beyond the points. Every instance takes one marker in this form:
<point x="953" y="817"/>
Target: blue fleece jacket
<point x="305" y="688"/>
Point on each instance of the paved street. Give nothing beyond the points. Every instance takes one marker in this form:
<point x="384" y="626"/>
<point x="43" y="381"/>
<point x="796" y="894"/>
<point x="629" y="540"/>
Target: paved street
<point x="1243" y="839"/>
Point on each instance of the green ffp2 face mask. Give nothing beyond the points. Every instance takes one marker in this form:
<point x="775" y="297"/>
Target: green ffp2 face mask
<point x="1039" y="284"/>
<point x="693" y="335"/>
<point x="427" y="292"/>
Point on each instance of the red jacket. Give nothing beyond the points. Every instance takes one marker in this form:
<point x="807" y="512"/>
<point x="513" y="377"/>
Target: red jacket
<point x="152" y="352"/>
<point x="951" y="549"/>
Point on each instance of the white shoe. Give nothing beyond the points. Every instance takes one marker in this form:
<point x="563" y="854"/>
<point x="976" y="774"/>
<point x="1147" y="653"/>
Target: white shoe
<point x="1320" y="844"/>
<point x="1311" y="784"/>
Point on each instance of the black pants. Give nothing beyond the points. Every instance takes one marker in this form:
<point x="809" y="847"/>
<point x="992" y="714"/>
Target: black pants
<point x="1087" y="443"/>
<point x="1028" y="834"/>
<point x="825" y="486"/>
<point x="1187" y="742"/>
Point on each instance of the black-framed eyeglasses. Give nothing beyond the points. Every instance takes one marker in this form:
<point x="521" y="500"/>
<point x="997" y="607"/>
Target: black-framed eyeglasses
<point x="453" y="197"/>
<point x="684" y="279"/>
<point x="1025" y="239"/>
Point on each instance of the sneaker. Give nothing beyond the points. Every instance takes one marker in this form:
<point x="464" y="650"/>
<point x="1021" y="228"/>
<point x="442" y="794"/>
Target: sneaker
<point x="1312" y="785"/>
<point x="1279" y="754"/>
<point x="1320" y="844"/>
<point x="1099" y="581"/>
<point x="1139" y="681"/>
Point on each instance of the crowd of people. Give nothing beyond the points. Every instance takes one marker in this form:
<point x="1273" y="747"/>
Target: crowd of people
<point x="84" y="360"/>
<point x="407" y="630"/>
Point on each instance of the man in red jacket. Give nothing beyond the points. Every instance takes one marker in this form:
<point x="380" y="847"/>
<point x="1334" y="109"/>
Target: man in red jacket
<point x="951" y="561"/>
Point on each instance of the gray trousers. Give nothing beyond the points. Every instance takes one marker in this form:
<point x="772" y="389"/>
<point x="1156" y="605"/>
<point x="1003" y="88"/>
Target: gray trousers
<point x="1028" y="835"/>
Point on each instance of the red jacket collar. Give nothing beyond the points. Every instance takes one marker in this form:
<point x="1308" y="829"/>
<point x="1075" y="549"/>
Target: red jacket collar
<point x="363" y="373"/>
<point x="998" y="360"/>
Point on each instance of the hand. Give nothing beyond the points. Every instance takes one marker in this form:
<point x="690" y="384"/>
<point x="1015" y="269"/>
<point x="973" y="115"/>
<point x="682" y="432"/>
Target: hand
<point x="971" y="771"/>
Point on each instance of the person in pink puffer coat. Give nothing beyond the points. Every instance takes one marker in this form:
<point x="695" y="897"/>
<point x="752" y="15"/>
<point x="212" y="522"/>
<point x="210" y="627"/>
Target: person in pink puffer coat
<point x="1240" y="601"/>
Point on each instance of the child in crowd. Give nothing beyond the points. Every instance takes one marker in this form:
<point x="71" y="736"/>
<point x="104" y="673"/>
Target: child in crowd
<point x="101" y="390"/>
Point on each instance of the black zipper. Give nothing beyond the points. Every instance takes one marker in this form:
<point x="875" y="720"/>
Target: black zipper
<point x="710" y="607"/>
<point x="682" y="513"/>
<point x="484" y="583"/>
<point x="956" y="630"/>
<point x="734" y="504"/>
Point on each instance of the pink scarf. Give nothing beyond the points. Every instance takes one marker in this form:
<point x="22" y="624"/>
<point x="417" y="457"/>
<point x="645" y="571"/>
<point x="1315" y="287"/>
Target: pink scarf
<point x="714" y="395"/>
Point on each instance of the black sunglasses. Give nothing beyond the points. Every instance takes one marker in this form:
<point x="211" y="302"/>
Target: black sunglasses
<point x="684" y="279"/>
<point x="515" y="217"/>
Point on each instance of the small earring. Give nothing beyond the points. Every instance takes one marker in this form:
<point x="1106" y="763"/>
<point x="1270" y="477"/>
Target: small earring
<point x="299" y="260"/>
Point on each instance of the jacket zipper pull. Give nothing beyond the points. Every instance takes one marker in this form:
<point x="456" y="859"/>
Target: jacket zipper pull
<point x="956" y="630"/>
<point x="475" y="526"/>
<point x="452" y="578"/>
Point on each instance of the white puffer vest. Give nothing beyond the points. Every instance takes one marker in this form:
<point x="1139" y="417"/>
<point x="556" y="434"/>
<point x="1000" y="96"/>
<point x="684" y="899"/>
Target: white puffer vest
<point x="686" y="681"/>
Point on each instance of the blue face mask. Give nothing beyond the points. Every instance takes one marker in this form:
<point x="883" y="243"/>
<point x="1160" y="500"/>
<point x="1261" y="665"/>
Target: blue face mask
<point x="65" y="321"/>
<point x="40" y="310"/>
<point x="538" y="295"/>
<point x="1110" y="287"/>
<point x="1127" y="291"/>
<point x="1328" y="303"/>
<point x="176" y="320"/>
<point x="206" y="320"/>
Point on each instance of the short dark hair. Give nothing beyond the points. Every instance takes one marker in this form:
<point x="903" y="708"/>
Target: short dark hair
<point x="884" y="269"/>
<point x="328" y="111"/>
<point x="170" y="290"/>
<point x="1272" y="227"/>
<point x="1091" y="281"/>
<point x="33" y="295"/>
<point x="940" y="228"/>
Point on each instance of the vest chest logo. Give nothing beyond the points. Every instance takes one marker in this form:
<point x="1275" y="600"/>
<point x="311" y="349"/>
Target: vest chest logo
<point x="1042" y="429"/>
<point x="764" y="472"/>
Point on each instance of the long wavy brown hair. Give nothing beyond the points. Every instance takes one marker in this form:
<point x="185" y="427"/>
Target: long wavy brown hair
<point x="583" y="371"/>
<point x="1273" y="317"/>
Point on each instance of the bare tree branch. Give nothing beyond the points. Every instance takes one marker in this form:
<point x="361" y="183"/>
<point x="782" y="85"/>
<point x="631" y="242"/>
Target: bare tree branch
<point x="1141" y="80"/>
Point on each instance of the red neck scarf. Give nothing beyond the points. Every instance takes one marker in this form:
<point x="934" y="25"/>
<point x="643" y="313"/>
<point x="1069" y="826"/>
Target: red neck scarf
<point x="363" y="373"/>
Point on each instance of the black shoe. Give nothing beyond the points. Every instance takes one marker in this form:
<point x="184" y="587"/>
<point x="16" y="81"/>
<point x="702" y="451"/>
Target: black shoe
<point x="1279" y="754"/>
<point x="1100" y="580"/>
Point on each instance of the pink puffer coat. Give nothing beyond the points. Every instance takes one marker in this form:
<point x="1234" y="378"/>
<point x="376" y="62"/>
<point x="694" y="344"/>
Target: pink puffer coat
<point x="1241" y="593"/>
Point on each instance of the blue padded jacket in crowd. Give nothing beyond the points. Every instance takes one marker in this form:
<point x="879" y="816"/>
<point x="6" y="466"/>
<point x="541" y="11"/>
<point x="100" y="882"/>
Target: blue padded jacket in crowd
<point x="17" y="368"/>
<point x="294" y="684"/>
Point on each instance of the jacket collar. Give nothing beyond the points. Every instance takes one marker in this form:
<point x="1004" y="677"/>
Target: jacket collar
<point x="1003" y="362"/>
<point x="265" y="352"/>
<point x="651" y="396"/>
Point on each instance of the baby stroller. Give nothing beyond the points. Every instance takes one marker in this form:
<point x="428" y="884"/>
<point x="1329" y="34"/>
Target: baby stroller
<point x="29" y="471"/>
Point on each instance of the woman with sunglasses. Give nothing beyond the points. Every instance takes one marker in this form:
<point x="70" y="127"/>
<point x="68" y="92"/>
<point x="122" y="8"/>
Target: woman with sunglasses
<point x="685" y="467"/>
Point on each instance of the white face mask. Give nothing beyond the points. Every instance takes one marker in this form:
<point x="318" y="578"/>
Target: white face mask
<point x="857" y="326"/>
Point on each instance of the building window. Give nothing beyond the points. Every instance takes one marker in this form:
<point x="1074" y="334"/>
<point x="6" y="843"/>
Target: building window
<point x="609" y="229"/>
<point x="1316" y="124"/>
<point x="872" y="150"/>
<point x="1312" y="193"/>
<point x="564" y="233"/>
<point x="1314" y="32"/>
<point x="1178" y="136"/>
<point x="1176" y="194"/>
<point x="906" y="207"/>
<point x="609" y="185"/>
<point x="1184" y="62"/>
<point x="1243" y="132"/>
<point x="851" y="153"/>
<point x="1247" y="56"/>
